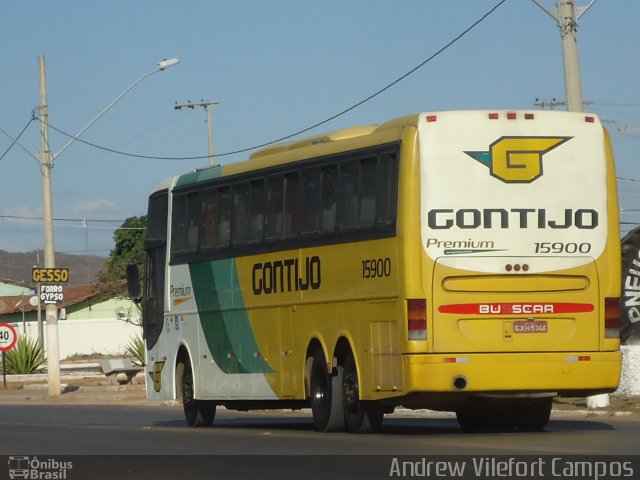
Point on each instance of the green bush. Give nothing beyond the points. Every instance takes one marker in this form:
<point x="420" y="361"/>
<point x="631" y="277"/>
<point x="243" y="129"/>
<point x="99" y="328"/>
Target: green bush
<point x="135" y="348"/>
<point x="25" y="358"/>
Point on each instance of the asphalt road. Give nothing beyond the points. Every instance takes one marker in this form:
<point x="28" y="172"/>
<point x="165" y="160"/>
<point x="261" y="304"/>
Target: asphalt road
<point x="121" y="434"/>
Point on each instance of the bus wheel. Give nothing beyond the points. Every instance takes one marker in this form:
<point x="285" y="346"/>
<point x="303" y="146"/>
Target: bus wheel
<point x="360" y="417"/>
<point x="502" y="416"/>
<point x="533" y="414"/>
<point x="326" y="395"/>
<point x="198" y="413"/>
<point x="473" y="418"/>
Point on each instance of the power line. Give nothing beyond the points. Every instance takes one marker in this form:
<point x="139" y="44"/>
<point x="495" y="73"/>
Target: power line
<point x="25" y="217"/>
<point x="304" y="130"/>
<point x="15" y="140"/>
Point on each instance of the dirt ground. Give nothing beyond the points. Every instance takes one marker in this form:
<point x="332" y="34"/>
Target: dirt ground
<point x="617" y="403"/>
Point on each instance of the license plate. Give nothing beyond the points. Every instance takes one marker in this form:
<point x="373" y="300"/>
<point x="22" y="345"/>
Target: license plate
<point x="530" y="326"/>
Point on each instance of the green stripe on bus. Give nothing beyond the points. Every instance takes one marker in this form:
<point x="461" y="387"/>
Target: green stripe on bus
<point x="199" y="175"/>
<point x="225" y="322"/>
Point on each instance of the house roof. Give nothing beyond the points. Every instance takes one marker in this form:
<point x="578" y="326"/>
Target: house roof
<point x="72" y="295"/>
<point x="14" y="283"/>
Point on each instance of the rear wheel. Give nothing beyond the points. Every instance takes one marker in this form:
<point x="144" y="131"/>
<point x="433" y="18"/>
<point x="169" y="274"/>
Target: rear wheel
<point x="482" y="414"/>
<point x="198" y="413"/>
<point x="473" y="418"/>
<point x="359" y="416"/>
<point x="533" y="414"/>
<point x="326" y="395"/>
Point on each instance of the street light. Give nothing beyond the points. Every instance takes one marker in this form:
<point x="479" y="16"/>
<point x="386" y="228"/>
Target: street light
<point x="163" y="65"/>
<point x="46" y="164"/>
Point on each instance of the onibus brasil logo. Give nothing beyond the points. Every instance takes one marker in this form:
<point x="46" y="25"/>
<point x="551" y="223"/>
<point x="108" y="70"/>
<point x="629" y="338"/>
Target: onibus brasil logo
<point x="38" y="468"/>
<point x="517" y="159"/>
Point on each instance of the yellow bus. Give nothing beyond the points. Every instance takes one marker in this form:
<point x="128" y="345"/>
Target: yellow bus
<point x="460" y="261"/>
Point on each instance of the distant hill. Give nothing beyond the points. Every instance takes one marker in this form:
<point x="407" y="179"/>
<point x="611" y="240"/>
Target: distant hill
<point x="83" y="269"/>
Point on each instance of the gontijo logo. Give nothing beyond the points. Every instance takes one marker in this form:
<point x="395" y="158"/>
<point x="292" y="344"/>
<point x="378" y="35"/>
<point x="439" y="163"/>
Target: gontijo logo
<point x="517" y="159"/>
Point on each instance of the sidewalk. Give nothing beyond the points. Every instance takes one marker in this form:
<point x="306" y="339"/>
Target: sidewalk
<point x="80" y="383"/>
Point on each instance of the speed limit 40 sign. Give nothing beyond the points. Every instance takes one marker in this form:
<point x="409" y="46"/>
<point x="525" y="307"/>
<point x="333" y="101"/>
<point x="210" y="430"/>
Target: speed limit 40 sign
<point x="8" y="337"/>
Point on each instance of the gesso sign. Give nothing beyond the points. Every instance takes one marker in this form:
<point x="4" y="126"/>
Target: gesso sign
<point x="45" y="275"/>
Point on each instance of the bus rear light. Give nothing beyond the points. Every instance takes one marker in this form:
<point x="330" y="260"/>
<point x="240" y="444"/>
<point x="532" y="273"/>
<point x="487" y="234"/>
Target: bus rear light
<point x="529" y="116"/>
<point x="578" y="358"/>
<point x="590" y="119"/>
<point x="612" y="317"/>
<point x="455" y="359"/>
<point x="431" y="118"/>
<point x="417" y="318"/>
<point x="493" y="116"/>
<point x="511" y="116"/>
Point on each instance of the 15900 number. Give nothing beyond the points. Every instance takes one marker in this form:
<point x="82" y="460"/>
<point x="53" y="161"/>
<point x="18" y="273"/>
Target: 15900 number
<point x="376" y="268"/>
<point x="561" y="247"/>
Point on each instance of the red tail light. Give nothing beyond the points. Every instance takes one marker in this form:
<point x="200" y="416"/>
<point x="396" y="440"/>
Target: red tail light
<point x="417" y="318"/>
<point x="612" y="317"/>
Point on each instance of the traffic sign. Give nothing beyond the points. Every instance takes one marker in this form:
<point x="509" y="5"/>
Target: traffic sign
<point x="8" y="337"/>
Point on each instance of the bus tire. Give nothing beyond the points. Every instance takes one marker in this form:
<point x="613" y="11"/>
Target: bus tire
<point x="533" y="414"/>
<point x="629" y="311"/>
<point x="473" y="419"/>
<point x="502" y="415"/>
<point x="359" y="416"/>
<point x="198" y="413"/>
<point x="325" y="393"/>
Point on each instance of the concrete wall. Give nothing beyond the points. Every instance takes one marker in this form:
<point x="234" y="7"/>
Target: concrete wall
<point x="630" y="378"/>
<point x="86" y="337"/>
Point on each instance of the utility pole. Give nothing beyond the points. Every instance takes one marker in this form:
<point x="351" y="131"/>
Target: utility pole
<point x="46" y="164"/>
<point x="566" y="15"/>
<point x="208" y="106"/>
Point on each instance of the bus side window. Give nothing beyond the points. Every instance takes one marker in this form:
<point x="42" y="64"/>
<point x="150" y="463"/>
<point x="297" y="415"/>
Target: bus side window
<point x="193" y="221"/>
<point x="368" y="191"/>
<point x="291" y="204"/>
<point x="224" y="217"/>
<point x="178" y="224"/>
<point x="387" y="189"/>
<point x="256" y="224"/>
<point x="185" y="223"/>
<point x="240" y="226"/>
<point x="329" y="177"/>
<point x="208" y="226"/>
<point x="348" y="194"/>
<point x="274" y="207"/>
<point x="311" y="200"/>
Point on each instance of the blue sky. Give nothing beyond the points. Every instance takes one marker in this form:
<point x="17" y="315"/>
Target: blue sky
<point x="276" y="67"/>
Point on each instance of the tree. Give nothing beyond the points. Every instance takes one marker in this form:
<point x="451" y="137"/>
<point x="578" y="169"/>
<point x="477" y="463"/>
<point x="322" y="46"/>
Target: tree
<point x="129" y="240"/>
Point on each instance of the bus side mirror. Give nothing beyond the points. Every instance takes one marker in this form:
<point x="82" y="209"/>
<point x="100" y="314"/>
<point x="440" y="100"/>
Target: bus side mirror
<point x="133" y="282"/>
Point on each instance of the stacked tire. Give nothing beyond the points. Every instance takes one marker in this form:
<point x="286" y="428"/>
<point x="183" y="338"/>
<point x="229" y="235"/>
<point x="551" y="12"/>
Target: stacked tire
<point x="630" y="298"/>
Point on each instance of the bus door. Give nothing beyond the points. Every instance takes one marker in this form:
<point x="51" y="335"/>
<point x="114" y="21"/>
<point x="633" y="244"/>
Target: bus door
<point x="156" y="249"/>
